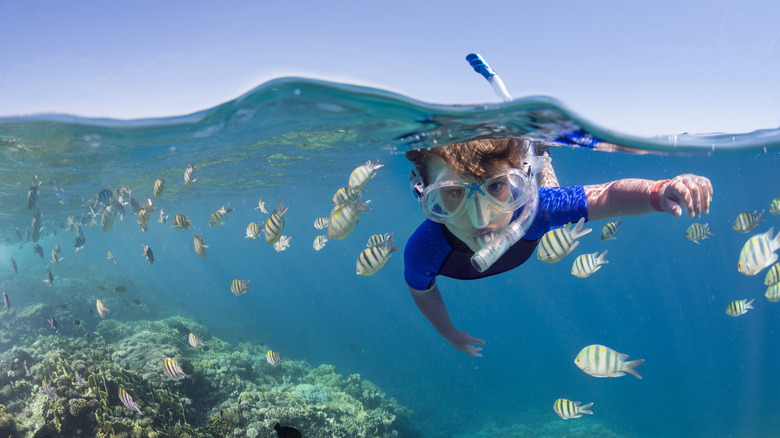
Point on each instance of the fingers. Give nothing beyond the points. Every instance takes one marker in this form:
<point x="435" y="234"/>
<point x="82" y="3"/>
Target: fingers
<point x="474" y="351"/>
<point x="692" y="192"/>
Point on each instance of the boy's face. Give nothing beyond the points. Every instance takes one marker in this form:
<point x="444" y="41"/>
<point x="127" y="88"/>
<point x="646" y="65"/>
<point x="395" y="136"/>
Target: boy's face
<point x="480" y="217"/>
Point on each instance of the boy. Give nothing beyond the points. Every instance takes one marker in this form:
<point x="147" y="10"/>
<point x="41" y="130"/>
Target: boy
<point x="475" y="189"/>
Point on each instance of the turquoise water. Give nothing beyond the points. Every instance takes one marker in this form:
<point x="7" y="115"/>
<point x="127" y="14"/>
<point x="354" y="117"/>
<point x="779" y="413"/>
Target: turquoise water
<point x="661" y="297"/>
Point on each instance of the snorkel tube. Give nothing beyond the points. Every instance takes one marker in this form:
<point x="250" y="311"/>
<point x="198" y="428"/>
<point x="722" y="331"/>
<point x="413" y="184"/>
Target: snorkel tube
<point x="494" y="246"/>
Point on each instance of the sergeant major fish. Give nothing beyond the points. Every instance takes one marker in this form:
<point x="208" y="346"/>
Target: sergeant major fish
<point x="345" y="195"/>
<point x="239" y="287"/>
<point x="601" y="361"/>
<point x="253" y="230"/>
<point x="274" y="226"/>
<point x="739" y="307"/>
<point x="61" y="195"/>
<point x="377" y="239"/>
<point x="587" y="264"/>
<point x="344" y="218"/>
<point x="32" y="194"/>
<point x="610" y="229"/>
<point x="49" y="278"/>
<point x="219" y="216"/>
<point x="261" y="206"/>
<point x="373" y="258"/>
<point x="200" y="246"/>
<point x="773" y="275"/>
<point x="320" y="223"/>
<point x="163" y="217"/>
<point x="773" y="293"/>
<point x="107" y="217"/>
<point x="697" y="232"/>
<point x="38" y="249"/>
<point x="195" y="341"/>
<point x="143" y="218"/>
<point x="320" y="241"/>
<point x="568" y="409"/>
<point x="560" y="242"/>
<point x="282" y="244"/>
<point x="159" y="186"/>
<point x="148" y="254"/>
<point x="758" y="253"/>
<point x="181" y="222"/>
<point x="55" y="258"/>
<point x="747" y="221"/>
<point x="363" y="174"/>
<point x="189" y="175"/>
<point x="774" y="206"/>
<point x="172" y="370"/>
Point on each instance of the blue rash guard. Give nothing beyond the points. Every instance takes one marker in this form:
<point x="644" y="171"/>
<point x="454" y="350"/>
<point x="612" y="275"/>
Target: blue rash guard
<point x="433" y="250"/>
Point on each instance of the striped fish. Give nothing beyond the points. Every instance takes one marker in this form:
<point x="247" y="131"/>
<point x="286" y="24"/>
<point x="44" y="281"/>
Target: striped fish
<point x="239" y="287"/>
<point x="219" y="216"/>
<point x="609" y="231"/>
<point x="344" y="218"/>
<point x="106" y="196"/>
<point x="773" y="293"/>
<point x="587" y="264"/>
<point x="143" y="218"/>
<point x="37" y="249"/>
<point x="774" y="206"/>
<point x="758" y="253"/>
<point x="320" y="223"/>
<point x="163" y="217"/>
<point x="181" y="222"/>
<point x="345" y="195"/>
<point x="61" y="195"/>
<point x="253" y="230"/>
<point x="48" y="390"/>
<point x="739" y="307"/>
<point x="363" y="174"/>
<point x="134" y="205"/>
<point x="33" y="194"/>
<point x="560" y="242"/>
<point x="377" y="239"/>
<point x="57" y="249"/>
<point x="159" y="186"/>
<point x="273" y="358"/>
<point x="126" y="400"/>
<point x="200" y="246"/>
<point x="107" y="217"/>
<point x="601" y="361"/>
<point x="102" y="310"/>
<point x="79" y="242"/>
<point x="282" y="244"/>
<point x="119" y="208"/>
<point x="148" y="254"/>
<point x="36" y="225"/>
<point x="149" y="206"/>
<point x="189" y="175"/>
<point x="372" y="259"/>
<point x="747" y="221"/>
<point x="55" y="258"/>
<point x="320" y="241"/>
<point x="275" y="224"/>
<point x="195" y="341"/>
<point x="172" y="370"/>
<point x="568" y="409"/>
<point x="697" y="232"/>
<point x="49" y="278"/>
<point x="261" y="206"/>
<point x="773" y="276"/>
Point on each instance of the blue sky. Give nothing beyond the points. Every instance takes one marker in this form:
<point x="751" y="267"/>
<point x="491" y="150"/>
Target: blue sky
<point x="641" y="68"/>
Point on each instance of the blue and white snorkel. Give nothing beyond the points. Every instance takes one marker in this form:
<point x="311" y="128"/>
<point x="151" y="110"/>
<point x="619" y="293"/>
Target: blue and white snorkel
<point x="494" y="246"/>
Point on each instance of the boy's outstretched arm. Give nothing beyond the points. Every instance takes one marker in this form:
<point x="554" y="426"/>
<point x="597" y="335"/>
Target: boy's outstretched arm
<point x="635" y="197"/>
<point x="431" y="304"/>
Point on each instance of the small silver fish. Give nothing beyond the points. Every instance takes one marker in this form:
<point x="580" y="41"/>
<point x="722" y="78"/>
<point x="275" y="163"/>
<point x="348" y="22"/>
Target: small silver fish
<point x="219" y="216"/>
<point x="273" y="358"/>
<point x="739" y="307"/>
<point x="601" y="361"/>
<point x="274" y="226"/>
<point x="344" y="218"/>
<point x="181" y="222"/>
<point x="773" y="275"/>
<point x="320" y="241"/>
<point x="345" y="195"/>
<point x="195" y="341"/>
<point x="148" y="254"/>
<point x="610" y="229"/>
<point x="7" y="301"/>
<point x="377" y="239"/>
<point x="282" y="244"/>
<point x="758" y="253"/>
<point x="774" y="206"/>
<point x="239" y="287"/>
<point x="568" y="409"/>
<point x="560" y="242"/>
<point x="102" y="310"/>
<point x="159" y="186"/>
<point x="48" y="390"/>
<point x="587" y="264"/>
<point x="373" y="258"/>
<point x="261" y="206"/>
<point x="111" y="257"/>
<point x="14" y="266"/>
<point x="172" y="370"/>
<point x="200" y="246"/>
<point x="363" y="174"/>
<point x="126" y="400"/>
<point x="253" y="230"/>
<point x="747" y="221"/>
<point x="321" y="223"/>
<point x="773" y="293"/>
<point x="189" y="175"/>
<point x="163" y="217"/>
<point x="143" y="218"/>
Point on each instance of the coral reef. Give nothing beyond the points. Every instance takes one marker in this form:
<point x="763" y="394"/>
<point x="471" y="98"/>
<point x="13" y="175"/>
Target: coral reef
<point x="230" y="391"/>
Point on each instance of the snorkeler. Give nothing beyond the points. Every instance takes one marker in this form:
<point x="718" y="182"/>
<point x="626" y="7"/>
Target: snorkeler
<point x="473" y="192"/>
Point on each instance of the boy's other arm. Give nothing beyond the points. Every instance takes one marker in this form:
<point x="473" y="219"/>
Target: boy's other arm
<point x="431" y="304"/>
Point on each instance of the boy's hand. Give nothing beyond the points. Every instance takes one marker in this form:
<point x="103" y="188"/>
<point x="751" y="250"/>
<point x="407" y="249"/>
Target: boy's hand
<point x="462" y="342"/>
<point x="691" y="192"/>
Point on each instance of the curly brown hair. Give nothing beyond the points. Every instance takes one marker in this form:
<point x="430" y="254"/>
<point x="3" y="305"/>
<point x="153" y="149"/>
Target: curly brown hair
<point x="472" y="158"/>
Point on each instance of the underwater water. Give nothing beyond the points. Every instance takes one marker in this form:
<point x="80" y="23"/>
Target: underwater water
<point x="661" y="298"/>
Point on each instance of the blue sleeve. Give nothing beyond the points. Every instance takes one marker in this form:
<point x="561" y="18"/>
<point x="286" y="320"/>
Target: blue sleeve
<point x="424" y="254"/>
<point x="558" y="206"/>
